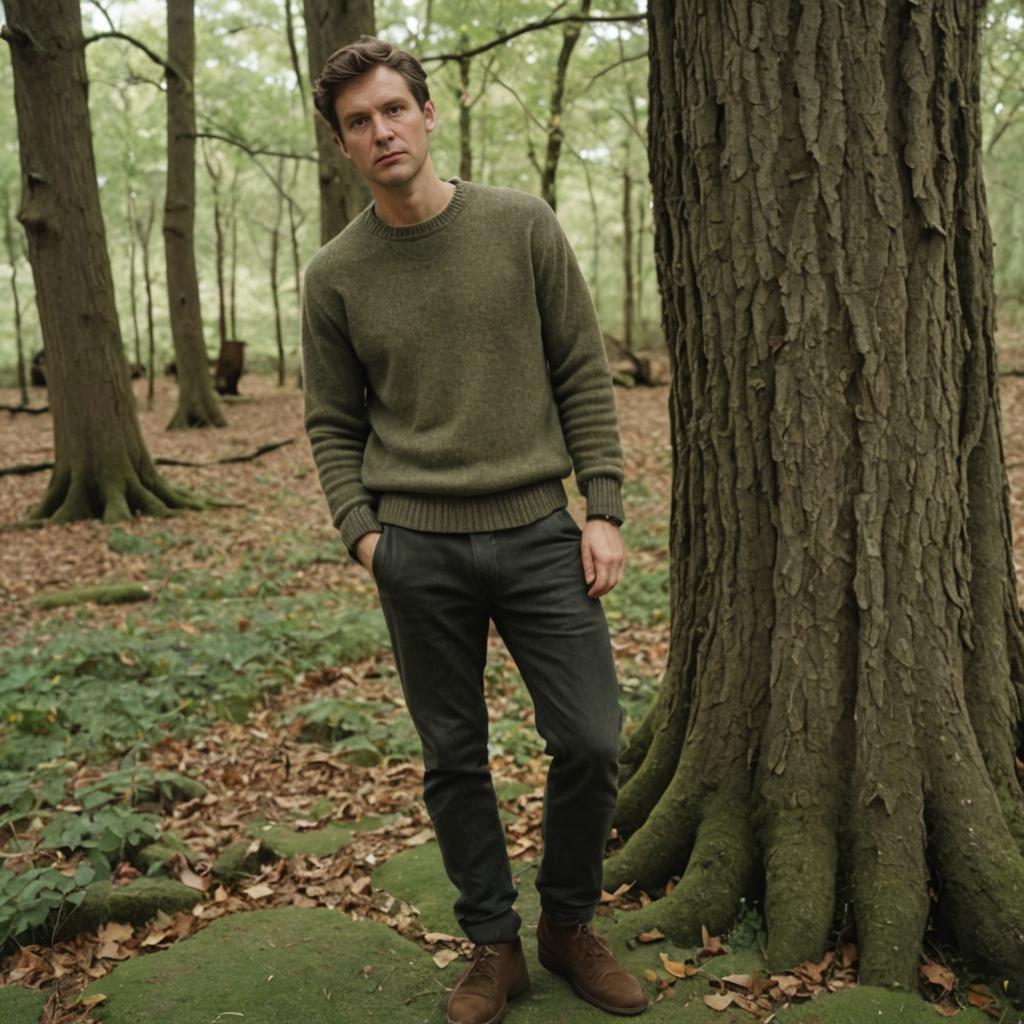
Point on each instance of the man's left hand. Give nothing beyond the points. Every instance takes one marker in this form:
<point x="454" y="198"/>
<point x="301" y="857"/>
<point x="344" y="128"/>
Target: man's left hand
<point x="603" y="556"/>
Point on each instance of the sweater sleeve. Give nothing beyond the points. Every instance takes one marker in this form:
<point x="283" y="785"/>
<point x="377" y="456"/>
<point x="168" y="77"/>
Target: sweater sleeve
<point x="578" y="366"/>
<point x="336" y="420"/>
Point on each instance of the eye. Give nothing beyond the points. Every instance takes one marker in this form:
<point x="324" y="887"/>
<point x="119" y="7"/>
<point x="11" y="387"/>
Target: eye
<point x="395" y="108"/>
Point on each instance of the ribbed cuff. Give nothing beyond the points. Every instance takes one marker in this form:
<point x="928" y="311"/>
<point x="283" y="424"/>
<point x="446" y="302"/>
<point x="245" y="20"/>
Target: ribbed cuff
<point x="604" y="497"/>
<point x="362" y="519"/>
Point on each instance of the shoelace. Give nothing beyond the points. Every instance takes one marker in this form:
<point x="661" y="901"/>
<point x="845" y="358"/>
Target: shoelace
<point x="592" y="944"/>
<point x="483" y="962"/>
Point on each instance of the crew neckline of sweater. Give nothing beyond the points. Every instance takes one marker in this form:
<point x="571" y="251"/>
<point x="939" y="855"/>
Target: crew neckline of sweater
<point x="410" y="232"/>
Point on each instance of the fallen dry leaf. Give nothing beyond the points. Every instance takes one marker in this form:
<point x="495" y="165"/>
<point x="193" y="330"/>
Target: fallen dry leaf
<point x="939" y="975"/>
<point x="443" y="957"/>
<point x="652" y="936"/>
<point x="650" y="975"/>
<point x="258" y="891"/>
<point x="677" y="969"/>
<point x="720" y="1002"/>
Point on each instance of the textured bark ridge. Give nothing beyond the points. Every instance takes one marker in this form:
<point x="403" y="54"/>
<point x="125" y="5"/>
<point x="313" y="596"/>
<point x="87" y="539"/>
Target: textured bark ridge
<point x="836" y="729"/>
<point x="102" y="467"/>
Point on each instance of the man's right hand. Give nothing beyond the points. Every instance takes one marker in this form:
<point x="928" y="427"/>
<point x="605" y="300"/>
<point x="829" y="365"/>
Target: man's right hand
<point x="365" y="547"/>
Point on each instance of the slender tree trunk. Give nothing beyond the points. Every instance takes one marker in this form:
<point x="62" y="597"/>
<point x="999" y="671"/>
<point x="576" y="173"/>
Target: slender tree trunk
<point x="465" y="115"/>
<point x="275" y="248"/>
<point x="102" y="468"/>
<point x="627" y="258"/>
<point x="293" y="52"/>
<point x="840" y="710"/>
<point x="144" y="230"/>
<point x="641" y="246"/>
<point x="331" y="24"/>
<point x="233" y="265"/>
<point x="197" y="403"/>
<point x="133" y="280"/>
<point x="553" y="152"/>
<point x="19" y="341"/>
<point x="215" y="173"/>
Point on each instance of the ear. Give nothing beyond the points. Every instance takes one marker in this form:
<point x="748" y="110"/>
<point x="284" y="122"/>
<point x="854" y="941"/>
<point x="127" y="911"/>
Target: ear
<point x="340" y="143"/>
<point x="430" y="115"/>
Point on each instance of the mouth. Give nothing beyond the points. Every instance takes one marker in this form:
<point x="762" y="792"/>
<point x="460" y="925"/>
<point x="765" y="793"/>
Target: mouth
<point x="388" y="157"/>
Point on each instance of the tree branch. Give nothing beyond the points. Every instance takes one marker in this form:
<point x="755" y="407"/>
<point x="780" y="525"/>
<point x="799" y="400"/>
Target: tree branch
<point x="151" y="54"/>
<point x="533" y="26"/>
<point x="252" y="150"/>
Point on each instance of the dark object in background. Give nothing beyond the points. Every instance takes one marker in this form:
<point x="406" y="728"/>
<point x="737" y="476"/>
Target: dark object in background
<point x="137" y="370"/>
<point x="37" y="373"/>
<point x="229" y="368"/>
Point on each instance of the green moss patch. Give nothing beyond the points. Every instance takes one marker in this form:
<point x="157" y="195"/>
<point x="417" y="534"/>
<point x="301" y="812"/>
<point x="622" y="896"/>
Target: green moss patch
<point x="134" y="903"/>
<point x="285" y="841"/>
<point x="862" y="1004"/>
<point x="269" y="966"/>
<point x="21" y="1005"/>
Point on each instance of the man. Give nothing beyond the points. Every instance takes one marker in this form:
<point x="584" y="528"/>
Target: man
<point x="454" y="374"/>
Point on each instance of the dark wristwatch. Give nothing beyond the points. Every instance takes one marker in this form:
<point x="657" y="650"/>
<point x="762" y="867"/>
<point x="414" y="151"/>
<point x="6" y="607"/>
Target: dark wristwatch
<point x="611" y="519"/>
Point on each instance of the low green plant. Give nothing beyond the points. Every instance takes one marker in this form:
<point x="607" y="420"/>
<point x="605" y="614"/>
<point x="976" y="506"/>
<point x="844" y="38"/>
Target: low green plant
<point x="29" y="898"/>
<point x="115" y="831"/>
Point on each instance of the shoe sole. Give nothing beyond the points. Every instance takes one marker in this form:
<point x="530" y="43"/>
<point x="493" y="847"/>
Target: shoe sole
<point x="518" y="991"/>
<point x="555" y="968"/>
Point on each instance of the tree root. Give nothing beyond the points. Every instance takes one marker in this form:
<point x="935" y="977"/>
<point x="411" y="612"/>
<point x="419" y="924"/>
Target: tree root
<point x="720" y="872"/>
<point x="121" y="493"/>
<point x="800" y="875"/>
<point x="652" y="854"/>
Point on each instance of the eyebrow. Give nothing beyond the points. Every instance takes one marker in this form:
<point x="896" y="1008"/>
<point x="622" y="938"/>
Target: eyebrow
<point x="360" y="112"/>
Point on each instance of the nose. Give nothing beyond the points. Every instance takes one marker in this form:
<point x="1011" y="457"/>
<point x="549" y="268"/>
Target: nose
<point x="381" y="129"/>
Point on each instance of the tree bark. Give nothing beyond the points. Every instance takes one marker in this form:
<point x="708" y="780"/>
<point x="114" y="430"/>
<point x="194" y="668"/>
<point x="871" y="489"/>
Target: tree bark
<point x="839" y="715"/>
<point x="102" y="468"/>
<point x="331" y="24"/>
<point x="553" y="150"/>
<point x="144" y="230"/>
<point x="628" y="289"/>
<point x="19" y="340"/>
<point x="275" y="291"/>
<point x="197" y="403"/>
<point x="465" y="115"/>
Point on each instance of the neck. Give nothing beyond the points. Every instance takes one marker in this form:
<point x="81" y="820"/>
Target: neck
<point x="414" y="202"/>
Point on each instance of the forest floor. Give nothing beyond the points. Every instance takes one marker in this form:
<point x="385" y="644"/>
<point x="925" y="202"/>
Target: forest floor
<point x="259" y="666"/>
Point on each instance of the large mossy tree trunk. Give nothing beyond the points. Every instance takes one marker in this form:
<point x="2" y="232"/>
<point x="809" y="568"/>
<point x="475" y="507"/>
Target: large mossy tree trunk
<point x="331" y="24"/>
<point x="836" y="729"/>
<point x="102" y="468"/>
<point x="197" y="403"/>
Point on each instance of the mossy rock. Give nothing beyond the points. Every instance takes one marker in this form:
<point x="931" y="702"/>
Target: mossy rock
<point x="234" y="862"/>
<point x="102" y="593"/>
<point x="317" y="966"/>
<point x="152" y="857"/>
<point x="21" y="1005"/>
<point x="142" y="786"/>
<point x="285" y="841"/>
<point x="134" y="903"/>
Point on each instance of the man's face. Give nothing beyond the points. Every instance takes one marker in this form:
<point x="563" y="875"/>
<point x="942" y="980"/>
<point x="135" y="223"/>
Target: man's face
<point x="383" y="131"/>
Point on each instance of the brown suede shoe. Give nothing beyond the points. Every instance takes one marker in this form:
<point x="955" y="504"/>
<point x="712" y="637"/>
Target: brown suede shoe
<point x="583" y="957"/>
<point x="496" y="974"/>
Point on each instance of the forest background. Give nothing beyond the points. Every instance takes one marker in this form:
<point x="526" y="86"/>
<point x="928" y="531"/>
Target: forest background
<point x="257" y="177"/>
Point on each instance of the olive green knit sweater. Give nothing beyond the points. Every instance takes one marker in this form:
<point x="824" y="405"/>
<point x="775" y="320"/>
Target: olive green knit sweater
<point x="454" y="371"/>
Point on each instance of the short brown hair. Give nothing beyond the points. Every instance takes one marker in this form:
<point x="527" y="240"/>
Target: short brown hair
<point x="356" y="59"/>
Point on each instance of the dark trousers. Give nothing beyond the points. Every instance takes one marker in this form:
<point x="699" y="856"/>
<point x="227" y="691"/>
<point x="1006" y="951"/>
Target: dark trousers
<point x="438" y="592"/>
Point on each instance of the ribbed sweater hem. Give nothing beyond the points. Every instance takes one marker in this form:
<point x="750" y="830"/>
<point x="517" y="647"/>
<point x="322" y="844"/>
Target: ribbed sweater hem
<point x="441" y="513"/>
